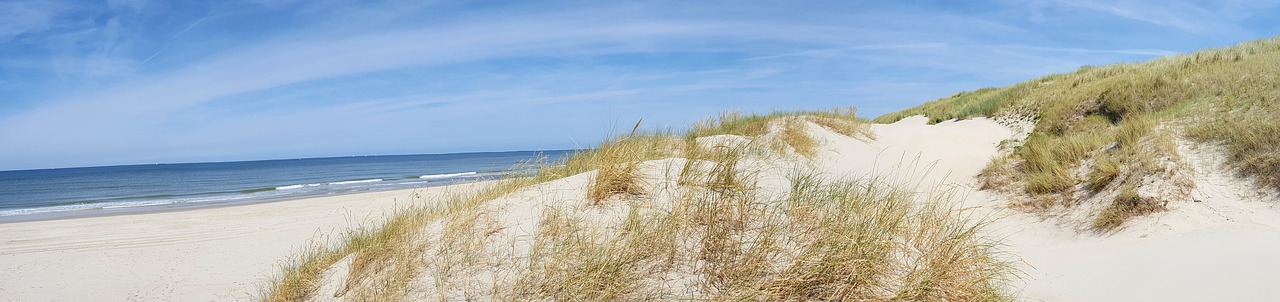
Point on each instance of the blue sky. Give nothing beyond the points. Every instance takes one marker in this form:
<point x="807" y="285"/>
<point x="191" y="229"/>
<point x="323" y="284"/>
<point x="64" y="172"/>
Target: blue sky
<point x="133" y="81"/>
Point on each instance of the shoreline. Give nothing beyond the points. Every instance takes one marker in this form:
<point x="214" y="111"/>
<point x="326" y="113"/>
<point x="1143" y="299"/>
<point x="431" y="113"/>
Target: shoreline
<point x="193" y="206"/>
<point x="223" y="252"/>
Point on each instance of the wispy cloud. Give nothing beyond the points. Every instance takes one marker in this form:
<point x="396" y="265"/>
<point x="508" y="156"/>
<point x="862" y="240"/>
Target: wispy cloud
<point x="1165" y="13"/>
<point x="843" y="50"/>
<point x="1141" y="52"/>
<point x="1191" y="16"/>
<point x="170" y="41"/>
<point x="23" y="17"/>
<point x="140" y="82"/>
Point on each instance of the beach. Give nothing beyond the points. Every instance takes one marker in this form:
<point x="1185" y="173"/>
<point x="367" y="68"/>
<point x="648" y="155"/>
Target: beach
<point x="206" y="254"/>
<point x="1219" y="244"/>
<point x="333" y="151"/>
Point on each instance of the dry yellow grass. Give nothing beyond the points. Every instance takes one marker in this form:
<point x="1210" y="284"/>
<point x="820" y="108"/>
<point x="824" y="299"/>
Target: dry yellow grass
<point x="795" y="135"/>
<point x="1125" y="205"/>
<point x="383" y="256"/>
<point x="844" y="240"/>
<point x="1105" y="171"/>
<point x="841" y="120"/>
<point x="301" y="275"/>
<point x="617" y="174"/>
<point x="719" y="238"/>
<point x="1250" y="132"/>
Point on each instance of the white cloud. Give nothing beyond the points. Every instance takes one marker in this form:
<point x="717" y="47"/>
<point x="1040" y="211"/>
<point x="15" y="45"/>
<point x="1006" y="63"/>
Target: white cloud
<point x="21" y="17"/>
<point x="306" y="89"/>
<point x="1212" y="17"/>
<point x="830" y="52"/>
<point x="1140" y="52"/>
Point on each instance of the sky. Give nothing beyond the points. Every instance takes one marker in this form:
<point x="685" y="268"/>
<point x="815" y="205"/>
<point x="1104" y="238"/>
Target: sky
<point x="90" y="83"/>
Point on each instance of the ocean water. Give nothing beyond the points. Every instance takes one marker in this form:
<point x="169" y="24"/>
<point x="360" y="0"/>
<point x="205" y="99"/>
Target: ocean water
<point x="57" y="193"/>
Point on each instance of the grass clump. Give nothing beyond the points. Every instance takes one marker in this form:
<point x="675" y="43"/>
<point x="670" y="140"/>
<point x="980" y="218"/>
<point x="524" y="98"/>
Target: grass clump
<point x="867" y="240"/>
<point x="1125" y="205"/>
<point x="797" y="137"/>
<point x="1047" y="160"/>
<point x="574" y="262"/>
<point x="617" y="172"/>
<point x="301" y="275"/>
<point x="1105" y="171"/>
<point x="1054" y="180"/>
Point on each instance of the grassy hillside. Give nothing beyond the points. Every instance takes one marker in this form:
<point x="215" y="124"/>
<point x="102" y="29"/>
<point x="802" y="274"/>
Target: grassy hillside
<point x="1093" y="128"/>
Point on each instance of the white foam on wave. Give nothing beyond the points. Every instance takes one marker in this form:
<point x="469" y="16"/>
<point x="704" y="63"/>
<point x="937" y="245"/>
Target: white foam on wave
<point x="356" y="181"/>
<point x="160" y="202"/>
<point x="220" y="198"/>
<point x="139" y="204"/>
<point x="112" y="205"/>
<point x="448" y="175"/>
<point x="348" y="182"/>
<point x="291" y="187"/>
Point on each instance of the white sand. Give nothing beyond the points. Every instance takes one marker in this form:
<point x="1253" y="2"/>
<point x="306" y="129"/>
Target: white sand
<point x="1222" y="248"/>
<point x="1226" y="247"/>
<point x="213" y="254"/>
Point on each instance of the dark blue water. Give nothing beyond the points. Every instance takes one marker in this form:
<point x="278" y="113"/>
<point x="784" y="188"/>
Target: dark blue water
<point x="51" y="193"/>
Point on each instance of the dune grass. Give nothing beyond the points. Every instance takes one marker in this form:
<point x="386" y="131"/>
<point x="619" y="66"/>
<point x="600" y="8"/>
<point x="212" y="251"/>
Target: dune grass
<point x="797" y="137"/>
<point x="1100" y="119"/>
<point x="302" y="273"/>
<point x="1250" y="132"/>
<point x="385" y="259"/>
<point x="717" y="238"/>
<point x="794" y="135"/>
<point x="722" y="240"/>
<point x="617" y="171"/>
<point x="382" y="256"/>
<point x="1125" y="205"/>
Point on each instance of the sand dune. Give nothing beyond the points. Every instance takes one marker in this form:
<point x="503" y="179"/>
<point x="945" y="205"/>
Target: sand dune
<point x="1218" y="245"/>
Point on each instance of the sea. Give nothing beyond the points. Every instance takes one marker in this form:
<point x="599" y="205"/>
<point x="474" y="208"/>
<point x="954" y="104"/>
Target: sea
<point x="71" y="192"/>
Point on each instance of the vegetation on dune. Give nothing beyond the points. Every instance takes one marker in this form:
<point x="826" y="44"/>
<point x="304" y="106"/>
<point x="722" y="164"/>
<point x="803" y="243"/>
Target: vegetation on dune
<point x="617" y="171"/>
<point x="386" y="261"/>
<point x="721" y="238"/>
<point x="867" y="239"/>
<point x="1250" y="131"/>
<point x="793" y="136"/>
<point x="382" y="256"/>
<point x="1093" y="127"/>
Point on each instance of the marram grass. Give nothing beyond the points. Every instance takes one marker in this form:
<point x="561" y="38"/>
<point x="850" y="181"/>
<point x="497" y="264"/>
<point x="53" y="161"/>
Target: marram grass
<point x="1105" y="115"/>
<point x="721" y="239"/>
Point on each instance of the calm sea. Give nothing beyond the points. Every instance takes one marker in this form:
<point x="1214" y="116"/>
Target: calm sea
<point x="56" y="193"/>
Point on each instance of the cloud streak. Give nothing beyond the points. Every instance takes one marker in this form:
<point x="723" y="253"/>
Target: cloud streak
<point x="463" y="78"/>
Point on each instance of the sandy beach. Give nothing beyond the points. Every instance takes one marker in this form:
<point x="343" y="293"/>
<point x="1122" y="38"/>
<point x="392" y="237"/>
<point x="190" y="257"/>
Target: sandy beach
<point x="1218" y="245"/>
<point x="941" y="151"/>
<point x="209" y="254"/>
